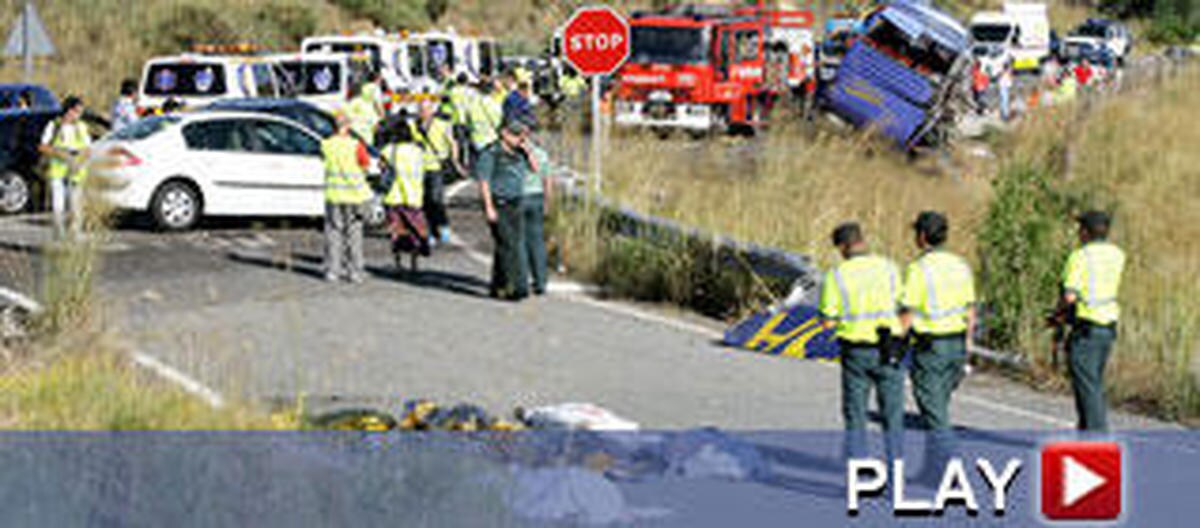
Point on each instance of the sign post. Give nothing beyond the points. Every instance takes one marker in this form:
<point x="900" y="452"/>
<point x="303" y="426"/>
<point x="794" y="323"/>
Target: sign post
<point x="596" y="42"/>
<point x="27" y="39"/>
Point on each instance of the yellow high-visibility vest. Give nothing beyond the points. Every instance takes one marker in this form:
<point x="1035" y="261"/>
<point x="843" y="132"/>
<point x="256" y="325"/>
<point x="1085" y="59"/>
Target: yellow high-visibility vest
<point x="436" y="142"/>
<point x="862" y="294"/>
<point x="345" y="180"/>
<point x="68" y="137"/>
<point x="460" y="102"/>
<point x="408" y="186"/>
<point x="939" y="290"/>
<point x="572" y="87"/>
<point x="1093" y="272"/>
<point x="363" y="117"/>
<point x="486" y="114"/>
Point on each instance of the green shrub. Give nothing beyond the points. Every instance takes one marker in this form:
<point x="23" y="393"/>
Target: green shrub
<point x="1023" y="243"/>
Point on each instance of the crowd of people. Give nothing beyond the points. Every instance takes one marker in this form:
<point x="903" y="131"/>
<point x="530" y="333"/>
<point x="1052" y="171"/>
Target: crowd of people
<point x="1058" y="83"/>
<point x="482" y="130"/>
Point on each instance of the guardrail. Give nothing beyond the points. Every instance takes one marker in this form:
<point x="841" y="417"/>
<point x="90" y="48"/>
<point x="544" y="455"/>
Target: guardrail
<point x="797" y="270"/>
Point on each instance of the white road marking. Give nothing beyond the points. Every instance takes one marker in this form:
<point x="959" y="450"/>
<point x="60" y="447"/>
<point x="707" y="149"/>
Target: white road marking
<point x="185" y="382"/>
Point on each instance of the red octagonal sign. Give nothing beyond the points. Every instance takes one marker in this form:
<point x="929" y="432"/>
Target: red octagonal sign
<point x="596" y="40"/>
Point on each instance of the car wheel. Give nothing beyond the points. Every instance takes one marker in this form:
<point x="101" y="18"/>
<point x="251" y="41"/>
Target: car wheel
<point x="14" y="193"/>
<point x="176" y="206"/>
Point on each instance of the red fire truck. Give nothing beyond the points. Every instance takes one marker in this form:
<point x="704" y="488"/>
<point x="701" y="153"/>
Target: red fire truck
<point x="702" y="68"/>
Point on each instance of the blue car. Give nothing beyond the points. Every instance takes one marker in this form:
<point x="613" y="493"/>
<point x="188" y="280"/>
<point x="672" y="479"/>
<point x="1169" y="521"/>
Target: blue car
<point x="899" y="76"/>
<point x="25" y="109"/>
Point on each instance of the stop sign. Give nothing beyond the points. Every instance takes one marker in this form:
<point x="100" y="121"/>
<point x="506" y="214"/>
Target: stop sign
<point x="596" y="40"/>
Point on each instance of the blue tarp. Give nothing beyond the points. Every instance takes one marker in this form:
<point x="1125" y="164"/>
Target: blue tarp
<point x="794" y="332"/>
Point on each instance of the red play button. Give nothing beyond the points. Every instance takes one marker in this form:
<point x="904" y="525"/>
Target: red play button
<point x="1081" y="481"/>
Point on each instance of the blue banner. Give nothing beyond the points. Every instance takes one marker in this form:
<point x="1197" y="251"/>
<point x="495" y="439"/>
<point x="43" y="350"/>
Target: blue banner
<point x="794" y="332"/>
<point x="690" y="479"/>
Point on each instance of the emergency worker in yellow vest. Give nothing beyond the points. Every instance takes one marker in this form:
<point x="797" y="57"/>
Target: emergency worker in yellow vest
<point x="434" y="132"/>
<point x="406" y="193"/>
<point x="859" y="301"/>
<point x="363" y="112"/>
<point x="65" y="144"/>
<point x="938" y="315"/>
<point x="938" y="310"/>
<point x="462" y="95"/>
<point x="1090" y="285"/>
<point x="346" y="197"/>
<point x="487" y="112"/>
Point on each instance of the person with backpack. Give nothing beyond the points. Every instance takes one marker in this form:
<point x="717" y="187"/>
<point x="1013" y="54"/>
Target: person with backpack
<point x="405" y="196"/>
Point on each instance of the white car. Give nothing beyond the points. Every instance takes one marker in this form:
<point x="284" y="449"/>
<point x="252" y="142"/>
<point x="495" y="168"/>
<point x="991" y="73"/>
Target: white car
<point x="184" y="167"/>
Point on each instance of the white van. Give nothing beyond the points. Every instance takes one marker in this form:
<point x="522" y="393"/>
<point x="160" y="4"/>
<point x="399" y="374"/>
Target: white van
<point x="320" y="79"/>
<point x="1032" y="44"/>
<point x="1020" y="35"/>
<point x="196" y="80"/>
<point x="476" y="57"/>
<point x="399" y="60"/>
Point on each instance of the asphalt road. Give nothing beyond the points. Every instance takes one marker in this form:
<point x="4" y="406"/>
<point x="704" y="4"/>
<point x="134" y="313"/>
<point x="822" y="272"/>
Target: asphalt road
<point x="240" y="308"/>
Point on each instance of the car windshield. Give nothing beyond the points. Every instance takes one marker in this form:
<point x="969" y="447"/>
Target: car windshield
<point x="143" y="128"/>
<point x="1091" y="30"/>
<point x="989" y="33"/>
<point x="668" y="45"/>
<point x="188" y="79"/>
<point x="311" y="78"/>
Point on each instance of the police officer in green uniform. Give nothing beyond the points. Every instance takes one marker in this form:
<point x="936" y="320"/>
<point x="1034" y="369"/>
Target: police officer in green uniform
<point x="502" y="170"/>
<point x="1090" y="283"/>
<point x="938" y="310"/>
<point x="859" y="300"/>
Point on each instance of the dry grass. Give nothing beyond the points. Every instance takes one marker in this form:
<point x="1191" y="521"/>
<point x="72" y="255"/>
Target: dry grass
<point x="791" y="189"/>
<point x="1141" y="153"/>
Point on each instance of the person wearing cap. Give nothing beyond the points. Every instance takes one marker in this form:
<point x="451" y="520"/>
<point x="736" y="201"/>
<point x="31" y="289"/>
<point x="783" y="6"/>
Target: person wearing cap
<point x="937" y="307"/>
<point x="346" y="194"/>
<point x="502" y="170"/>
<point x="1090" y="284"/>
<point x="859" y="301"/>
<point x="65" y="144"/>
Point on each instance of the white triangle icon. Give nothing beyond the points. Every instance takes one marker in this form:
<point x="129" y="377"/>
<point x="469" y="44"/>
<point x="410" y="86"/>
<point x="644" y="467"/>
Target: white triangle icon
<point x="1078" y="480"/>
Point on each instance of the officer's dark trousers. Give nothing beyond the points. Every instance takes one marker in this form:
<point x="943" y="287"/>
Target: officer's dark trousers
<point x="937" y="369"/>
<point x="862" y="370"/>
<point x="534" y="210"/>
<point x="434" y="205"/>
<point x="1088" y="348"/>
<point x="509" y="279"/>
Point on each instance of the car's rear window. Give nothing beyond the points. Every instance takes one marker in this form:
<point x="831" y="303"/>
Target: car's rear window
<point x="143" y="128"/>
<point x="184" y="80"/>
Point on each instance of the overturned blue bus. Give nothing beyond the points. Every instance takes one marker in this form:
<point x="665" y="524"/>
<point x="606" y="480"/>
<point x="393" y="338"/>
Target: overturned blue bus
<point x="904" y="75"/>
